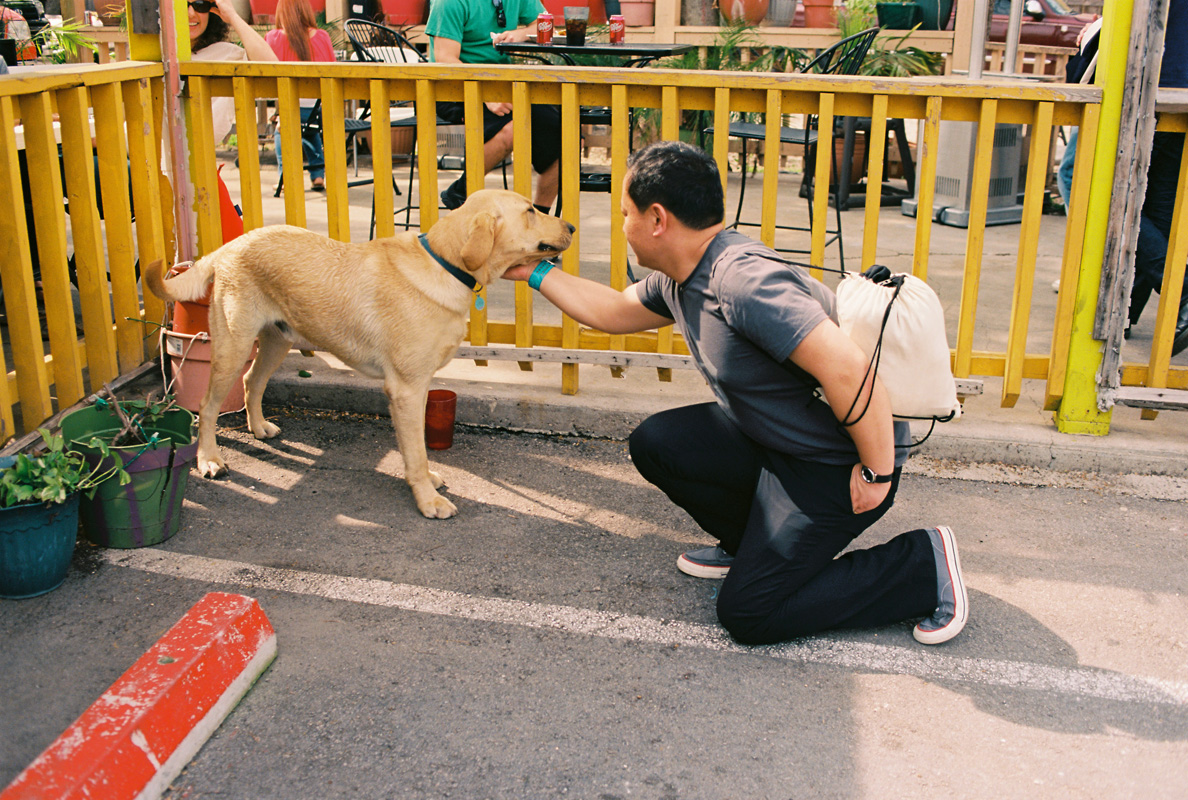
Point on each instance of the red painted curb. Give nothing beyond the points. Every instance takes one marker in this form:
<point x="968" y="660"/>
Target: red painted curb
<point x="139" y="735"/>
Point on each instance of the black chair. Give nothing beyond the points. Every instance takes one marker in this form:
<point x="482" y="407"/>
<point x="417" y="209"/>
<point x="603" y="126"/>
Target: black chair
<point x="313" y="124"/>
<point x="383" y="45"/>
<point x="843" y="58"/>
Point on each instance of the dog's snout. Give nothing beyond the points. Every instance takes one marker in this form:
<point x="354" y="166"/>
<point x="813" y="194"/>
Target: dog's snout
<point x="571" y="227"/>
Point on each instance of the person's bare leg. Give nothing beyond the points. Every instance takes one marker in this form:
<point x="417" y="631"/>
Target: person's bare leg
<point x="547" y="184"/>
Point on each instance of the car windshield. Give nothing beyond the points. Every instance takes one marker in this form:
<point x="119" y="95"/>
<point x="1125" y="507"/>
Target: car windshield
<point x="1060" y="7"/>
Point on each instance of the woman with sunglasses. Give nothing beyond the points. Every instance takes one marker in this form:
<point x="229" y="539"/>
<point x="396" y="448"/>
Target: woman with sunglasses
<point x="297" y="37"/>
<point x="210" y="23"/>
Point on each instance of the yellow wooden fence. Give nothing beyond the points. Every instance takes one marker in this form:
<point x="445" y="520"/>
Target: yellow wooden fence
<point x="62" y="132"/>
<point x="128" y="98"/>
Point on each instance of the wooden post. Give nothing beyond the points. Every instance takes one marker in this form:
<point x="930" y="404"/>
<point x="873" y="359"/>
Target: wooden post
<point x="1130" y="187"/>
<point x="1078" y="411"/>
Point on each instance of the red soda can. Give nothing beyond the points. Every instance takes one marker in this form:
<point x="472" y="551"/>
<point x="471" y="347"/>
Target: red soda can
<point x="544" y="29"/>
<point x="617" y="29"/>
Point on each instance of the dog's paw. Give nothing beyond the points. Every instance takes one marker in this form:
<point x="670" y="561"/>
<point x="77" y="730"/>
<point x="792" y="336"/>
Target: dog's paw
<point x="265" y="429"/>
<point x="437" y="507"/>
<point x="211" y="467"/>
<point x="436" y="480"/>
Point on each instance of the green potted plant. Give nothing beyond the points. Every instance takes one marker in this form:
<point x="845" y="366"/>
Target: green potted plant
<point x="39" y="512"/>
<point x="150" y="445"/>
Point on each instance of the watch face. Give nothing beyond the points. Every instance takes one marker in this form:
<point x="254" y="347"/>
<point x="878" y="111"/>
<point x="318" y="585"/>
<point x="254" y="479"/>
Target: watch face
<point x="868" y="474"/>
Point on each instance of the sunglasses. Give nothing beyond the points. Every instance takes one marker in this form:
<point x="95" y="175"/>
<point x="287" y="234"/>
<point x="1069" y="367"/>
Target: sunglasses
<point x="500" y="14"/>
<point x="201" y="6"/>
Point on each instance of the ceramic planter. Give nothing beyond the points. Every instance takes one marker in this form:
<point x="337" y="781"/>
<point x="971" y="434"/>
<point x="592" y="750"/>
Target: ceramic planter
<point x="36" y="544"/>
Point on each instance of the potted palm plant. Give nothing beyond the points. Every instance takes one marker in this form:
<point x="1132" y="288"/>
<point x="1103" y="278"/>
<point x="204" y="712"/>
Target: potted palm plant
<point x="39" y="512"/>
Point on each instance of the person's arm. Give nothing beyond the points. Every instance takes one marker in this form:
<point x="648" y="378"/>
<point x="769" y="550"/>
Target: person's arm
<point x="841" y="368"/>
<point x="515" y="35"/>
<point x="253" y="43"/>
<point x="449" y="51"/>
<point x="594" y="304"/>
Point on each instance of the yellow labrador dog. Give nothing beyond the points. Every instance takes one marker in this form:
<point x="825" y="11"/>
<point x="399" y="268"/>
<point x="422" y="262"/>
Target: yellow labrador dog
<point x="390" y="308"/>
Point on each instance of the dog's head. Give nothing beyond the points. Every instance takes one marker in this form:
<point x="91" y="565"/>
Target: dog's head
<point x="495" y="230"/>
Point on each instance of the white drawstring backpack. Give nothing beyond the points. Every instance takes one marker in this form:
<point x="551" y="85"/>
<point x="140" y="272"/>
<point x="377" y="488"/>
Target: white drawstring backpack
<point x="897" y="320"/>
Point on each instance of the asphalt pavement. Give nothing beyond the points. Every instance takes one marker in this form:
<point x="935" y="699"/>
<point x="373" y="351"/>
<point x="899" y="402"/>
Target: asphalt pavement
<point x="543" y="644"/>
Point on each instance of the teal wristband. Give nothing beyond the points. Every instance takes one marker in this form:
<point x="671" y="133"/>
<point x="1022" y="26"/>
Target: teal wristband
<point x="539" y="273"/>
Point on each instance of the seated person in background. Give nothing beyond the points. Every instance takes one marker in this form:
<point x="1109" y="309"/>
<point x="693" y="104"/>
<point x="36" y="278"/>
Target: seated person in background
<point x="465" y="32"/>
<point x="297" y="37"/>
<point x="776" y="469"/>
<point x="210" y="23"/>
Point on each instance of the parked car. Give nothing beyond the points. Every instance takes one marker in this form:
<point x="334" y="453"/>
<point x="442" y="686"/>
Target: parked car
<point x="1045" y="22"/>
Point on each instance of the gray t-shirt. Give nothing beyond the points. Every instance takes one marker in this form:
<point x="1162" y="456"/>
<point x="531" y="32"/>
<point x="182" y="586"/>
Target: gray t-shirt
<point x="742" y="314"/>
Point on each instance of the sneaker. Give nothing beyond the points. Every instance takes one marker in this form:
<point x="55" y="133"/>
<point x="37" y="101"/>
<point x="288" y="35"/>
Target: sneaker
<point x="952" y="610"/>
<point x="708" y="562"/>
<point x="453" y="196"/>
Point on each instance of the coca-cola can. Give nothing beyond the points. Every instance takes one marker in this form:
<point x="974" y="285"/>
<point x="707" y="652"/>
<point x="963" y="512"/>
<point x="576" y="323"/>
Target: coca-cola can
<point x="544" y="29"/>
<point x="617" y="29"/>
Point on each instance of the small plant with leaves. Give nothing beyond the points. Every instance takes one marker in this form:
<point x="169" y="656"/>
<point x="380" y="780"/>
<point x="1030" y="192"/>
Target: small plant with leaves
<point x="135" y="416"/>
<point x="53" y="475"/>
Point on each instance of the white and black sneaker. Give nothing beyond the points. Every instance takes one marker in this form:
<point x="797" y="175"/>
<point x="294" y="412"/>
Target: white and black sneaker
<point x="708" y="562"/>
<point x="952" y="610"/>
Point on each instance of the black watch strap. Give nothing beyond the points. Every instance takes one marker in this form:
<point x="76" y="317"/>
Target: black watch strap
<point x="870" y="476"/>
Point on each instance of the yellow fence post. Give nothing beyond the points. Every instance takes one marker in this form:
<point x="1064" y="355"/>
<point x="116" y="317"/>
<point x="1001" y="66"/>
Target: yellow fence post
<point x="1078" y="411"/>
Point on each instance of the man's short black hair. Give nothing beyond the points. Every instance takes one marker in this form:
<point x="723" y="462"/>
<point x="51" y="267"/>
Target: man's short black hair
<point x="682" y="178"/>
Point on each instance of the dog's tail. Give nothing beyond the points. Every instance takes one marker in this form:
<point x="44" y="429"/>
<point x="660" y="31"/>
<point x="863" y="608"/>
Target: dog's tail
<point x="188" y="285"/>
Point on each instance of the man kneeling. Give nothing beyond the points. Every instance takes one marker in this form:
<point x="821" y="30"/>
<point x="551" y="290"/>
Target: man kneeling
<point x="769" y="470"/>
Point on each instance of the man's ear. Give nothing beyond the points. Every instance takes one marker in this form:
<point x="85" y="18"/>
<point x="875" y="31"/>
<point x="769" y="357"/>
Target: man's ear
<point x="659" y="217"/>
<point x="480" y="242"/>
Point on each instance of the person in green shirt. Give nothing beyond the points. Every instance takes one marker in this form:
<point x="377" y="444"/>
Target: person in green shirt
<point x="465" y="32"/>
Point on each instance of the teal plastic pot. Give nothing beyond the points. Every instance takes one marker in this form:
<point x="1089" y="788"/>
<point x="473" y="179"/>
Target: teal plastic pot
<point x="36" y="545"/>
<point x="147" y="510"/>
<point x="934" y="14"/>
<point x="897" y="16"/>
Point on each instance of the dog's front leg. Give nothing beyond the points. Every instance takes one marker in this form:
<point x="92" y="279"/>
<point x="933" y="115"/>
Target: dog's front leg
<point x="407" y="406"/>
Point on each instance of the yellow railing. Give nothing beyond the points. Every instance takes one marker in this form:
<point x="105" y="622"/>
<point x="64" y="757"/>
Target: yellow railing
<point x="670" y="93"/>
<point x="96" y="129"/>
<point x="129" y="98"/>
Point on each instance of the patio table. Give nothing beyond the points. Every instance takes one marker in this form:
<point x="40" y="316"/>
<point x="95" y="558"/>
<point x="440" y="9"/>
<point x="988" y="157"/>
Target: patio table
<point x="635" y="54"/>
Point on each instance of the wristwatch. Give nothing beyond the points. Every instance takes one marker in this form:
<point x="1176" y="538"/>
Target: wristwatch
<point x="870" y="476"/>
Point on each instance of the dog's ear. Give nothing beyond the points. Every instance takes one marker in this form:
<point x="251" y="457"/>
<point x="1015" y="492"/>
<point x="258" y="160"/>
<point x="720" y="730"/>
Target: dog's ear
<point x="479" y="243"/>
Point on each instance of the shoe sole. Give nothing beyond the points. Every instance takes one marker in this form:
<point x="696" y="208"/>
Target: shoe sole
<point x="700" y="570"/>
<point x="960" y="595"/>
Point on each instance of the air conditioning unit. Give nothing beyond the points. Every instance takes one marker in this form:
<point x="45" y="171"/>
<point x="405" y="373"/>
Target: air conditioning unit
<point x="956" y="149"/>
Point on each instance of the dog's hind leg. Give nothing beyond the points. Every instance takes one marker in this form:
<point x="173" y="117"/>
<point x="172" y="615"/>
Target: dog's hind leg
<point x="407" y="405"/>
<point x="228" y="353"/>
<point x="273" y="347"/>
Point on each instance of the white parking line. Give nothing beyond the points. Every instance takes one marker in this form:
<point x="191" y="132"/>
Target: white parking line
<point x="925" y="664"/>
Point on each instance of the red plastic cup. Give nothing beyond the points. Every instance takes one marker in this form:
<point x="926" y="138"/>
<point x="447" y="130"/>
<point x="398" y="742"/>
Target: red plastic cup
<point x="439" y="419"/>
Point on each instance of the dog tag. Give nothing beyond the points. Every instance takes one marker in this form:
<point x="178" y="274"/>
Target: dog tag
<point x="478" y="302"/>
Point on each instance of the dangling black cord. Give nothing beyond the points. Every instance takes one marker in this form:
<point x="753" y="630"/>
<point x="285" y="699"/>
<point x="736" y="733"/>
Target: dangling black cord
<point x="872" y="369"/>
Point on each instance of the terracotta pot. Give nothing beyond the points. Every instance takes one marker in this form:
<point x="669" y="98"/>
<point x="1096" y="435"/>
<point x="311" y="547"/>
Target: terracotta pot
<point x="819" y="14"/>
<point x="597" y="11"/>
<point x="404" y="12"/>
<point x="264" y="11"/>
<point x="108" y="10"/>
<point x="638" y="14"/>
<point x="750" y="11"/>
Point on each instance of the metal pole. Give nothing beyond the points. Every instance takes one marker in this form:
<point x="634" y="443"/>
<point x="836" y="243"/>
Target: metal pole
<point x="977" y="44"/>
<point x="1012" y="36"/>
<point x="178" y="153"/>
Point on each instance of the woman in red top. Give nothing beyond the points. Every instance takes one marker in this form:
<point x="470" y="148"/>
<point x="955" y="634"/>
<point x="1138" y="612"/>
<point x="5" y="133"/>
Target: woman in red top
<point x="297" y="37"/>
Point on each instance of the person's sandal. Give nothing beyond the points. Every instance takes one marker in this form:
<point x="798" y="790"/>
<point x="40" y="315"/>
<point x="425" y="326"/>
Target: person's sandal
<point x="318" y="184"/>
